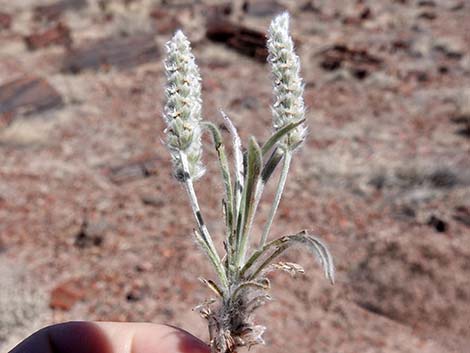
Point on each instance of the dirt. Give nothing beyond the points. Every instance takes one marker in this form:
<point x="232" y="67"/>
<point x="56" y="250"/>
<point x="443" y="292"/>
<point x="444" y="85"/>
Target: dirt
<point x="94" y="227"/>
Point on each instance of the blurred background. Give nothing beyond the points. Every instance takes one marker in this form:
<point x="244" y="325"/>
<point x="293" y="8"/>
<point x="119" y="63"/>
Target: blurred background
<point x="93" y="226"/>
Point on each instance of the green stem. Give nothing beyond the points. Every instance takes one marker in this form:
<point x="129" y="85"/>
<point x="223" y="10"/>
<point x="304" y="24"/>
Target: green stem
<point x="277" y="197"/>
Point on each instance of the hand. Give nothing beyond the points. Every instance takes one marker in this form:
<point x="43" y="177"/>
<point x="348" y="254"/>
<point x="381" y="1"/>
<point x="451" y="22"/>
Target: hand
<point x="111" y="337"/>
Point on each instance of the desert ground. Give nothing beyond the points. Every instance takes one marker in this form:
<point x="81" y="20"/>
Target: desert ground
<point x="94" y="227"/>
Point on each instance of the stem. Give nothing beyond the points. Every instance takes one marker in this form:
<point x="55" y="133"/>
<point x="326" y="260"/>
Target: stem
<point x="277" y="197"/>
<point x="211" y="251"/>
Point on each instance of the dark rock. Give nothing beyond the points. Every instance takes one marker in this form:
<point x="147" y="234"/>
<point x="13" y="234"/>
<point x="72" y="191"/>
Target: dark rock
<point x="438" y="224"/>
<point x="54" y="11"/>
<point x="121" y="52"/>
<point x="27" y="95"/>
<point x="244" y="40"/>
<point x="378" y="181"/>
<point x="358" y="61"/>
<point x="56" y="35"/>
<point x="134" y="295"/>
<point x="90" y="234"/>
<point x="464" y="121"/>
<point x="139" y="168"/>
<point x="153" y="201"/>
<point x="427" y="3"/>
<point x="443" y="178"/>
<point x="427" y="15"/>
<point x="261" y="8"/>
<point x="247" y="102"/>
<point x="462" y="215"/>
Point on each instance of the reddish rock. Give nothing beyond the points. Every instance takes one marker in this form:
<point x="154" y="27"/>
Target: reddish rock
<point x="57" y="35"/>
<point x="164" y="22"/>
<point x="5" y="20"/>
<point x="66" y="294"/>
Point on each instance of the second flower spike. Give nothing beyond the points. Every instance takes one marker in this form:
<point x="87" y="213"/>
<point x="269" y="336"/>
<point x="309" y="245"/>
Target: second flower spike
<point x="288" y="88"/>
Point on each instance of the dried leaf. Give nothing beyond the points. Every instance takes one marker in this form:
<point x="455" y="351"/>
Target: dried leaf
<point x="264" y="257"/>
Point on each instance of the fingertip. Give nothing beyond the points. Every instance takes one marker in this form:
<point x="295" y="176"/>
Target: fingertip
<point x="111" y="337"/>
<point x="163" y="339"/>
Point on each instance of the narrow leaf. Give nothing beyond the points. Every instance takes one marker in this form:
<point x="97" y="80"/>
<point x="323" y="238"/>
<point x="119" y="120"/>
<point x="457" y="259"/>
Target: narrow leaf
<point x="254" y="162"/>
<point x="225" y="171"/>
<point x="212" y="286"/>
<point x="278" y="135"/>
<point x="266" y="255"/>
<point x="262" y="284"/>
<point x="271" y="165"/>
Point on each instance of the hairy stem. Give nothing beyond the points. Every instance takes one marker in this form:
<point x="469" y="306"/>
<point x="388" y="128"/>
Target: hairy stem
<point x="207" y="239"/>
<point x="277" y="197"/>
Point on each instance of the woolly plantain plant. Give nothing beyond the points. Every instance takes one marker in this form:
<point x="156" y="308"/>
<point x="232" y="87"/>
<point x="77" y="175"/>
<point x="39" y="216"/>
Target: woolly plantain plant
<point x="242" y="285"/>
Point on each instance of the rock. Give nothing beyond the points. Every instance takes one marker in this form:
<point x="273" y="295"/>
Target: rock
<point x="359" y="62"/>
<point x="121" y="52"/>
<point x="244" y="40"/>
<point x="451" y="47"/>
<point x="262" y="8"/>
<point x="462" y="215"/>
<point x="438" y="224"/>
<point x="139" y="168"/>
<point x="27" y="95"/>
<point x="5" y="21"/>
<point x="56" y="35"/>
<point x="54" y="11"/>
<point x="463" y="121"/>
<point x="91" y="234"/>
<point x="153" y="201"/>
<point x="165" y="22"/>
<point x="65" y="295"/>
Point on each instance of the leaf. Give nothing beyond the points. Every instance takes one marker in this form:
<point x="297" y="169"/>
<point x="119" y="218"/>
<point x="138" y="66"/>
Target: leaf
<point x="271" y="165"/>
<point x="225" y="171"/>
<point x="212" y="286"/>
<point x="261" y="284"/>
<point x="266" y="255"/>
<point x="278" y="135"/>
<point x="254" y="162"/>
<point x="237" y="151"/>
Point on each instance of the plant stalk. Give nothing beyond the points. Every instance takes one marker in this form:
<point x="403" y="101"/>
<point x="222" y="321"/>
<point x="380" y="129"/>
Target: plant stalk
<point x="277" y="198"/>
<point x="206" y="237"/>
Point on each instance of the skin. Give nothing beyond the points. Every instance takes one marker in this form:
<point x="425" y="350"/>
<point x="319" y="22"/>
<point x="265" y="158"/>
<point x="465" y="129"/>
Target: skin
<point x="111" y="337"/>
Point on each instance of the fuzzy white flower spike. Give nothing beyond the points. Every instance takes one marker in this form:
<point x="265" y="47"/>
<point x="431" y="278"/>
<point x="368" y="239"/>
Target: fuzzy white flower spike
<point x="182" y="111"/>
<point x="288" y="88"/>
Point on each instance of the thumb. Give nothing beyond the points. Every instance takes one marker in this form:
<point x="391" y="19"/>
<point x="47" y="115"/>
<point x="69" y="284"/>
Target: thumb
<point x="111" y="337"/>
